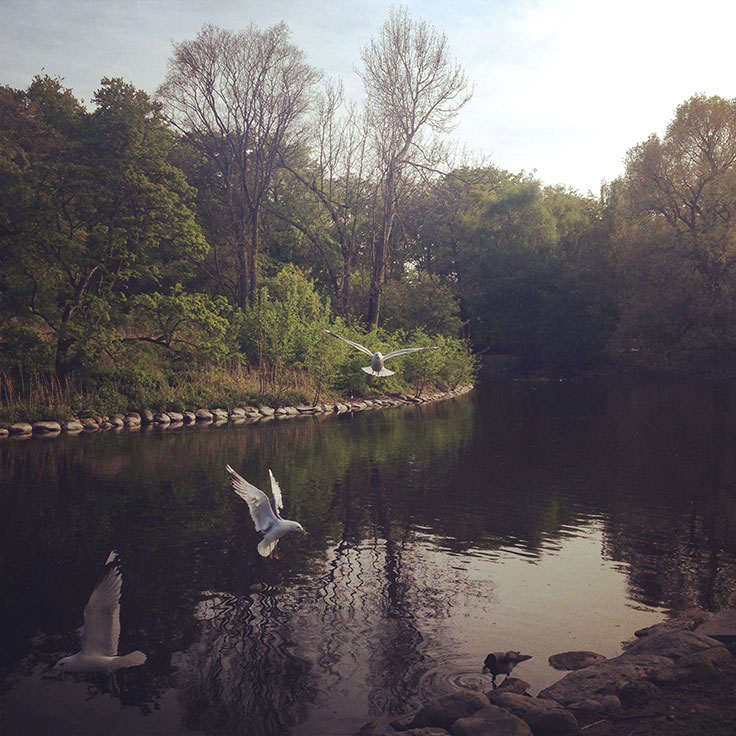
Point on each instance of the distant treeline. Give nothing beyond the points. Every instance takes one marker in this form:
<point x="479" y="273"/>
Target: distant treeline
<point x="227" y="221"/>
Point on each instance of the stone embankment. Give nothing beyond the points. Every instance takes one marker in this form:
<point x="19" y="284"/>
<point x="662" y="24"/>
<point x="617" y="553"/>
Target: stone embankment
<point x="216" y="416"/>
<point x="599" y="690"/>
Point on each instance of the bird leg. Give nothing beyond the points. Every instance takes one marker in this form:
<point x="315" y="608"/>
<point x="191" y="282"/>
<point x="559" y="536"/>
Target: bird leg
<point x="493" y="681"/>
<point x="113" y="685"/>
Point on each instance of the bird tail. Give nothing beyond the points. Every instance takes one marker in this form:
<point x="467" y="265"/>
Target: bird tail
<point x="265" y="547"/>
<point x="382" y="372"/>
<point x="132" y="660"/>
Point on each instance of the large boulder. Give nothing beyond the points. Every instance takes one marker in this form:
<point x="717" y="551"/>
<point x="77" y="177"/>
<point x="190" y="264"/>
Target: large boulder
<point x="444" y="711"/>
<point x="575" y="660"/>
<point x="722" y="626"/>
<point x="697" y="666"/>
<point x="614" y="677"/>
<point x="490" y="721"/>
<point x="671" y="643"/>
<point x="544" y="717"/>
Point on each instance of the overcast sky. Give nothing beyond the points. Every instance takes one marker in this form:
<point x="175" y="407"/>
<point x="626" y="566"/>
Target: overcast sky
<point x="562" y="88"/>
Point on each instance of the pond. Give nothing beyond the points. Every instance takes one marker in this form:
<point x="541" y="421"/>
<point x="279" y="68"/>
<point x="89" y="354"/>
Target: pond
<point x="536" y="516"/>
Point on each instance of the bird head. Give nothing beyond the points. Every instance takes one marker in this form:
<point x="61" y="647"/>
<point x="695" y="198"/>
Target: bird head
<point x="67" y="664"/>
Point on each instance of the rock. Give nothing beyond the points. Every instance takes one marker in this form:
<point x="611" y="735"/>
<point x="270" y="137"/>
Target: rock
<point x="638" y="694"/>
<point x="659" y="628"/>
<point x="161" y="417"/>
<point x="44" y="427"/>
<point x="697" y="666"/>
<point x="237" y="412"/>
<point x="20" y="428"/>
<point x="188" y="417"/>
<point x="267" y="411"/>
<point x="132" y="420"/>
<point x="721" y="627"/>
<point x="444" y="711"/>
<point x="510" y="685"/>
<point x="491" y="721"/>
<point x="601" y="705"/>
<point x="4" y="431"/>
<point x="116" y="421"/>
<point x="203" y="415"/>
<point x="89" y="424"/>
<point x="544" y="717"/>
<point x="219" y="413"/>
<point x="72" y="425"/>
<point x="429" y="731"/>
<point x="605" y="678"/>
<point x="292" y="411"/>
<point x="575" y="660"/>
<point x="147" y="416"/>
<point x="403" y="722"/>
<point x="671" y="643"/>
<point x="341" y="408"/>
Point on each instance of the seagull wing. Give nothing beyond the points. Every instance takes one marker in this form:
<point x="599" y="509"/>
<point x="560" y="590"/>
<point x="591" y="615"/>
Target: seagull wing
<point x="351" y="342"/>
<point x="260" y="508"/>
<point x="403" y="351"/>
<point x="278" y="501"/>
<point x="102" y="612"/>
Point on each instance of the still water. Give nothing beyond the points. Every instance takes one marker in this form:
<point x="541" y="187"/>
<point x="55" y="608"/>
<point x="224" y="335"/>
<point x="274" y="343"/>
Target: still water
<point x="538" y="517"/>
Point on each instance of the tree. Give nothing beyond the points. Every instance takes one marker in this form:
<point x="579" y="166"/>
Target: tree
<point x="413" y="88"/>
<point x="240" y="99"/>
<point x="340" y="179"/>
<point x="688" y="179"/>
<point x="91" y="215"/>
<point x="676" y="241"/>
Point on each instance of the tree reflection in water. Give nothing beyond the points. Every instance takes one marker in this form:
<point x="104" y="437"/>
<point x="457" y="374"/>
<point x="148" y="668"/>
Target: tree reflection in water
<point x="241" y="676"/>
<point x="359" y="616"/>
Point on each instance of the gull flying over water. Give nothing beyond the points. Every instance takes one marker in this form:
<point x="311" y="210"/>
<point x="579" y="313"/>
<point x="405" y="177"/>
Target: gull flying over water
<point x="376" y="368"/>
<point x="102" y="630"/>
<point x="266" y="517"/>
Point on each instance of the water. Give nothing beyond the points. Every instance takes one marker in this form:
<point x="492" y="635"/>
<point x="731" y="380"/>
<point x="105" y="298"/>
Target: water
<point x="541" y="517"/>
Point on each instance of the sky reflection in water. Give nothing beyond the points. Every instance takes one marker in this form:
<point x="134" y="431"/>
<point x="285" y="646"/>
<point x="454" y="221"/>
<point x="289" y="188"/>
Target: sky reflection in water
<point x="538" y="518"/>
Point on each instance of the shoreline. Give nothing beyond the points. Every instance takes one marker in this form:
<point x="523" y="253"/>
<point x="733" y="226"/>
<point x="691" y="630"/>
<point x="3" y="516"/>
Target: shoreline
<point x="215" y="416"/>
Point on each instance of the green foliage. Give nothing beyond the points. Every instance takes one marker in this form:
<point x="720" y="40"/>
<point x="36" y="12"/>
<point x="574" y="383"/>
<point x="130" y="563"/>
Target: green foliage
<point x="190" y="326"/>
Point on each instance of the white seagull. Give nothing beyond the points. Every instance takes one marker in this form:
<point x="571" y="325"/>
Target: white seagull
<point x="101" y="630"/>
<point x="267" y="518"/>
<point x="376" y="368"/>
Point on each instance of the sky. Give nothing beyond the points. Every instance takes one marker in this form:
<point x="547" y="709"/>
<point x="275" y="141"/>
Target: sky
<point x="562" y="89"/>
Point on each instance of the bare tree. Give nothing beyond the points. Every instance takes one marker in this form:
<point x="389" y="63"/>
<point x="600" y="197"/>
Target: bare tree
<point x="241" y="99"/>
<point x="413" y="90"/>
<point x="340" y="178"/>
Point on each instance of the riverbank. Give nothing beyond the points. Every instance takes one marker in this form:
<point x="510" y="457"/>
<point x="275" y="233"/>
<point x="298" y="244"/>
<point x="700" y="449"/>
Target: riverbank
<point x="215" y="416"/>
<point x="676" y="678"/>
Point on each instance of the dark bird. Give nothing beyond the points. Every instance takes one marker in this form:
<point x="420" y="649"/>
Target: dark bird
<point x="501" y="663"/>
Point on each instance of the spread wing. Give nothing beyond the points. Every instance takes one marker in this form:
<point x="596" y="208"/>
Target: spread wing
<point x="278" y="501"/>
<point x="351" y="342"/>
<point x="403" y="351"/>
<point x="260" y="508"/>
<point x="102" y="613"/>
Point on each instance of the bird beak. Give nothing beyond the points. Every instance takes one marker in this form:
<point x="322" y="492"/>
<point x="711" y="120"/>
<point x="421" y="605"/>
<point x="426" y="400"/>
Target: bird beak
<point x="486" y="671"/>
<point x="304" y="532"/>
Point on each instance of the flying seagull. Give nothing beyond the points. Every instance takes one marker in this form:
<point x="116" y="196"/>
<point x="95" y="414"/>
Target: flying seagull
<point x="376" y="367"/>
<point x="267" y="518"/>
<point x="500" y="663"/>
<point x="102" y="630"/>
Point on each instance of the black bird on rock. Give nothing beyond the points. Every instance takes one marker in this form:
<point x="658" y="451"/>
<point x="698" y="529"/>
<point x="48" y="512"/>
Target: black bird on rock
<point x="501" y="663"/>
